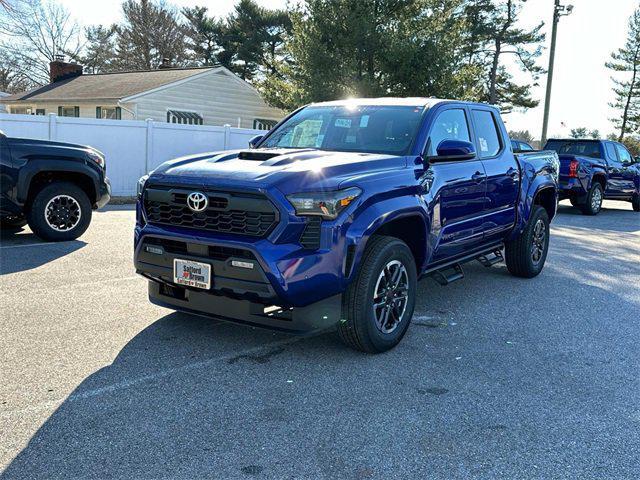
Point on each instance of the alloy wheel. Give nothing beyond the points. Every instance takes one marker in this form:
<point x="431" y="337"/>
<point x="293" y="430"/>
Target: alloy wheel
<point x="391" y="296"/>
<point x="62" y="213"/>
<point x="539" y="241"/>
<point x="596" y="200"/>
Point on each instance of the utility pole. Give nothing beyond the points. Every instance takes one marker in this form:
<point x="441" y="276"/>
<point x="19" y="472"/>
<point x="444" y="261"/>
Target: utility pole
<point x="558" y="11"/>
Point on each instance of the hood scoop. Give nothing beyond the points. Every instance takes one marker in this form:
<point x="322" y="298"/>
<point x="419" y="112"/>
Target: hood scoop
<point x="261" y="155"/>
<point x="257" y="155"/>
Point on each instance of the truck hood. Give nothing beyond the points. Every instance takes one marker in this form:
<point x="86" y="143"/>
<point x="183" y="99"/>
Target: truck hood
<point x="288" y="170"/>
<point x="28" y="142"/>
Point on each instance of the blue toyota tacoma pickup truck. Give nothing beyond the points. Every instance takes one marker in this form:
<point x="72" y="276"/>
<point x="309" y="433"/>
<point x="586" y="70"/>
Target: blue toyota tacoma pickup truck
<point x="330" y="219"/>
<point x="594" y="170"/>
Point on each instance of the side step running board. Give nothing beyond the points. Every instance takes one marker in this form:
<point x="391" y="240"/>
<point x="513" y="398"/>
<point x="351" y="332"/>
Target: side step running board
<point x="488" y="260"/>
<point x="449" y="274"/>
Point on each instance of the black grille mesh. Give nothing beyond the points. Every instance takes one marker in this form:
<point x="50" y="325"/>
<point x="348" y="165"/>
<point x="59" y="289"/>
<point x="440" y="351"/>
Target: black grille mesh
<point x="310" y="237"/>
<point x="217" y="218"/>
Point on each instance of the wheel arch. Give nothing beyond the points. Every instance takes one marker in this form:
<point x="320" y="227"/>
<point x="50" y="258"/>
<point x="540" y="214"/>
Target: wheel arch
<point x="546" y="197"/>
<point x="403" y="218"/>
<point x="38" y="174"/>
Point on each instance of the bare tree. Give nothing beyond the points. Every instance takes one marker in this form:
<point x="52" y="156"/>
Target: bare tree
<point x="34" y="33"/>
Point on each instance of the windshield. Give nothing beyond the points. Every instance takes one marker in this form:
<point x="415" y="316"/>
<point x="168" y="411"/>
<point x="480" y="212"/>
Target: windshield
<point x="364" y="128"/>
<point x="577" y="147"/>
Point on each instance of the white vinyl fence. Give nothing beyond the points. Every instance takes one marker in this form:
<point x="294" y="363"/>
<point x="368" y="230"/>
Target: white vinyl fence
<point x="132" y="147"/>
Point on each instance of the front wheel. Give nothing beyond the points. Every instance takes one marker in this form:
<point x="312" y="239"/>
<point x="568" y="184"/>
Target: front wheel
<point x="525" y="256"/>
<point x="378" y="305"/>
<point x="60" y="211"/>
<point x="594" y="200"/>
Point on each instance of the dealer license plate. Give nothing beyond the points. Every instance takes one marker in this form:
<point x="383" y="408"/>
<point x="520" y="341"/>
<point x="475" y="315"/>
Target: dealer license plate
<point x="191" y="274"/>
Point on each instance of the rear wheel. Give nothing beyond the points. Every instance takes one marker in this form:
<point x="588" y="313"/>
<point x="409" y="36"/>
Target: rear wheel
<point x="378" y="305"/>
<point x="594" y="200"/>
<point x="60" y="211"/>
<point x="525" y="256"/>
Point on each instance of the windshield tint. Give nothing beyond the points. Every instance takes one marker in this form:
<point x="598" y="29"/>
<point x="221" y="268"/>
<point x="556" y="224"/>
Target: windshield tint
<point x="367" y="129"/>
<point x="586" y="149"/>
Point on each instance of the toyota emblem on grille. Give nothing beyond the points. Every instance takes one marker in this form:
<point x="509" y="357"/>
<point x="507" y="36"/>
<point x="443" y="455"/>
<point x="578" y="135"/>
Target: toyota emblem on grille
<point x="197" y="201"/>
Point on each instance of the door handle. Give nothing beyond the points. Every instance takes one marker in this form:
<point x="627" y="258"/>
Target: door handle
<point x="478" y="177"/>
<point x="513" y="172"/>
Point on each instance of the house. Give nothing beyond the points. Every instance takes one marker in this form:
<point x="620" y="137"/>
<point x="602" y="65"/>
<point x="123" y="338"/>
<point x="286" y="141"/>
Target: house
<point x="2" y="107"/>
<point x="201" y="96"/>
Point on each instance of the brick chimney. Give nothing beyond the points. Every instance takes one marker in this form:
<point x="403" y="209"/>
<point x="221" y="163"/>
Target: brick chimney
<point x="61" y="70"/>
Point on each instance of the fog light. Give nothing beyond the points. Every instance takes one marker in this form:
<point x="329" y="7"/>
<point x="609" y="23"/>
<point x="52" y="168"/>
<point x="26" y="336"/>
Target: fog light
<point x="153" y="249"/>
<point x="239" y="264"/>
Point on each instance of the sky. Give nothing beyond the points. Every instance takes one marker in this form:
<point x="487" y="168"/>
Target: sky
<point x="581" y="84"/>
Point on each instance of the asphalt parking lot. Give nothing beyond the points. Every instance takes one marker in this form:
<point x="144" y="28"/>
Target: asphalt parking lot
<point x="497" y="376"/>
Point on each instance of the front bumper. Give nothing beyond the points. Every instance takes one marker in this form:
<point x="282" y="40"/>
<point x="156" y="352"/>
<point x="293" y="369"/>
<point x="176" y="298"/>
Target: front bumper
<point x="318" y="316"/>
<point x="104" y="195"/>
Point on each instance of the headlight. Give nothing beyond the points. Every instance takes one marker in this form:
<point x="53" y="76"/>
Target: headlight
<point x="97" y="157"/>
<point x="141" y="182"/>
<point x="328" y="205"/>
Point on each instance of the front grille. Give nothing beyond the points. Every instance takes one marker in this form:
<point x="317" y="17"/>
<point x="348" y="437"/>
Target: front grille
<point x="310" y="237"/>
<point x="231" y="213"/>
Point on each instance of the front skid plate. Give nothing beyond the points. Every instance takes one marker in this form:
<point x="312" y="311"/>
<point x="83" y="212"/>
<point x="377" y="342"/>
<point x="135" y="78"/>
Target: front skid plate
<point x="313" y="318"/>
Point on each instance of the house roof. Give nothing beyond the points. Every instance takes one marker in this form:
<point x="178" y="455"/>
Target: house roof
<point x="103" y="86"/>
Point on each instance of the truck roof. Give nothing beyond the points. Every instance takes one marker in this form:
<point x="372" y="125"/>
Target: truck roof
<point x="575" y="140"/>
<point x="393" y="101"/>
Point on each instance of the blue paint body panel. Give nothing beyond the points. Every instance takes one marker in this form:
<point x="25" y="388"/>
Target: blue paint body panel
<point x="455" y="207"/>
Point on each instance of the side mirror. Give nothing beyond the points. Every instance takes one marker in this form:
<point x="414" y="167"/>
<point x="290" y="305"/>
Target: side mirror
<point x="628" y="163"/>
<point x="255" y="140"/>
<point x="452" y="150"/>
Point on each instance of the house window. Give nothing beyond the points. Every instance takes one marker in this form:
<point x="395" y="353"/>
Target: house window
<point x="68" y="111"/>
<point x="109" y="113"/>
<point x="22" y="110"/>
<point x="261" y="124"/>
<point x="40" y="111"/>
<point x="185" y="118"/>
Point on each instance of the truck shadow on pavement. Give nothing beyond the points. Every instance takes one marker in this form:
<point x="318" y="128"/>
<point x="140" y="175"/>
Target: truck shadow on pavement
<point x="23" y="252"/>
<point x="190" y="397"/>
<point x="609" y="218"/>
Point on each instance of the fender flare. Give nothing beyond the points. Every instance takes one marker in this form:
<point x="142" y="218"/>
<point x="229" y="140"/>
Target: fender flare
<point x="598" y="172"/>
<point x="36" y="166"/>
<point x="527" y="199"/>
<point x="368" y="221"/>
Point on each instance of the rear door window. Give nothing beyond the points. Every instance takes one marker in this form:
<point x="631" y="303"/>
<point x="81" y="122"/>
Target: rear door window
<point x="487" y="134"/>
<point x="623" y="153"/>
<point x="610" y="149"/>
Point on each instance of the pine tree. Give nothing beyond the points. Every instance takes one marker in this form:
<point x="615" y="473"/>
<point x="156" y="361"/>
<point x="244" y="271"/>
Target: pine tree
<point x="493" y="33"/>
<point x="627" y="92"/>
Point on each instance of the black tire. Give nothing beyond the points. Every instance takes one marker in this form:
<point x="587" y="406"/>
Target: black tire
<point x="574" y="202"/>
<point x="594" y="200"/>
<point x="12" y="224"/>
<point x="520" y="256"/>
<point x="635" y="203"/>
<point x="72" y="212"/>
<point x="359" y="327"/>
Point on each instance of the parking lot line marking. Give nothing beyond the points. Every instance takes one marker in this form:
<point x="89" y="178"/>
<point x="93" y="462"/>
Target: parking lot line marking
<point x="28" y="245"/>
<point x="148" y="378"/>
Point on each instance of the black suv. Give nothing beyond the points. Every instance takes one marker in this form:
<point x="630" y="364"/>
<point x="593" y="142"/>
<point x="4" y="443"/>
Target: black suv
<point x="51" y="186"/>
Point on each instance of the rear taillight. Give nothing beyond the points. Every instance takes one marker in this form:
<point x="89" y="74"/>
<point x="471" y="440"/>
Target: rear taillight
<point x="573" y="169"/>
